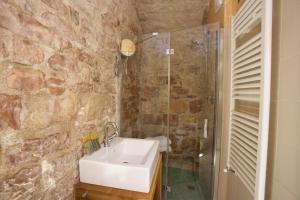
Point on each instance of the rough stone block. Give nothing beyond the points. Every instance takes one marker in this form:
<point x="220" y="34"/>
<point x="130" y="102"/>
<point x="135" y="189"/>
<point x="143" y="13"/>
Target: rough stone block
<point x="38" y="111"/>
<point x="22" y="185"/>
<point x="56" y="90"/>
<point x="74" y="16"/>
<point x="65" y="107"/>
<point x="60" y="27"/>
<point x="82" y="87"/>
<point x="150" y="92"/>
<point x="87" y="58"/>
<point x="55" y="81"/>
<point x="152" y="119"/>
<point x="43" y="110"/>
<point x="17" y="21"/>
<point x="188" y="143"/>
<point x="178" y="106"/>
<point x="67" y="62"/>
<point x="100" y="106"/>
<point x="10" y="109"/>
<point x="25" y="79"/>
<point x="55" y="86"/>
<point x="57" y="5"/>
<point x="26" y="52"/>
<point x="196" y="106"/>
<point x="174" y="120"/>
<point x="179" y="91"/>
<point x="188" y="119"/>
<point x="56" y="61"/>
<point x="6" y="44"/>
<point x="34" y="149"/>
<point x="63" y="189"/>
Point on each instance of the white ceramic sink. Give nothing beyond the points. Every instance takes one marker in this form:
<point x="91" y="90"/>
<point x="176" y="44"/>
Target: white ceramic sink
<point x="127" y="164"/>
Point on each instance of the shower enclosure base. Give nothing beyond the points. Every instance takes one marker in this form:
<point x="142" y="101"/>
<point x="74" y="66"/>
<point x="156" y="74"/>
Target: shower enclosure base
<point x="183" y="185"/>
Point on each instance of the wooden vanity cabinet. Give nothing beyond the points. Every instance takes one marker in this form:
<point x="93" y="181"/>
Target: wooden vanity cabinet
<point x="85" y="191"/>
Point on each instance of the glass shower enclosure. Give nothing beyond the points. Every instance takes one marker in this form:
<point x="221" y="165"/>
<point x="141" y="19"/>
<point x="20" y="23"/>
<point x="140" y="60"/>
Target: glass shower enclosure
<point x="177" y="105"/>
<point x="192" y="113"/>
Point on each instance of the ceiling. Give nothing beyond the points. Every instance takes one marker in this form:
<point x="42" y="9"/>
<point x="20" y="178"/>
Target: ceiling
<point x="169" y="15"/>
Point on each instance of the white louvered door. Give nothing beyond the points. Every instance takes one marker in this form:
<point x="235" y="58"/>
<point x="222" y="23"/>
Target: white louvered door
<point x="251" y="34"/>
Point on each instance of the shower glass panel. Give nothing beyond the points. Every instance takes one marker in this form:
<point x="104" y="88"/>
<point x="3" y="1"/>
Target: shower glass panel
<point x="192" y="113"/>
<point x="172" y="97"/>
<point x="154" y="91"/>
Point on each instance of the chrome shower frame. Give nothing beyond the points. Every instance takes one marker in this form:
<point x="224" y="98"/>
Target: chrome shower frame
<point x="218" y="116"/>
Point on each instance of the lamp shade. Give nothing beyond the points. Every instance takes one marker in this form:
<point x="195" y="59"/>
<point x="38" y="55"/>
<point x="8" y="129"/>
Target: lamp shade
<point x="127" y="47"/>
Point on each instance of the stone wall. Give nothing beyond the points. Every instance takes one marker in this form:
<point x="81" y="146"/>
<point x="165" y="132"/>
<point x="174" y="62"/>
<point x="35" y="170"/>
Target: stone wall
<point x="57" y="80"/>
<point x="166" y="16"/>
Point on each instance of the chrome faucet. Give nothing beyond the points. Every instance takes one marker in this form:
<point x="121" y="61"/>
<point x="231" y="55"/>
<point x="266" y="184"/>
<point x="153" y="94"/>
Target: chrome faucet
<point x="108" y="138"/>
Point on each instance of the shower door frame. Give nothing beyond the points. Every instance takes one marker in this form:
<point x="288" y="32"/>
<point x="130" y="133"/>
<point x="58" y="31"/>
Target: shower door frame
<point x="218" y="115"/>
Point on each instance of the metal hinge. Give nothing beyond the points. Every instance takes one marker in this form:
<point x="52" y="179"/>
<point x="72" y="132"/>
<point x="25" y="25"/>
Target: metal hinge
<point x="167" y="188"/>
<point x="228" y="169"/>
<point x="170" y="51"/>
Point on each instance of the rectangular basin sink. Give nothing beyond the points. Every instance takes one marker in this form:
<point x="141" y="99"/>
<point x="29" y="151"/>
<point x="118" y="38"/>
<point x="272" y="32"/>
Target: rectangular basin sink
<point x="127" y="164"/>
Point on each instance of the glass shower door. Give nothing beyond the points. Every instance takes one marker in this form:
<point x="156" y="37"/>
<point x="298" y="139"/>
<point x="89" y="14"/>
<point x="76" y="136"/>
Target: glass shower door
<point x="176" y="96"/>
<point x="207" y="155"/>
<point x="153" y="120"/>
<point x="192" y="113"/>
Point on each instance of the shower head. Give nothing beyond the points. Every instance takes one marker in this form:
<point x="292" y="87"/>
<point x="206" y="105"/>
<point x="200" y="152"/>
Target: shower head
<point x="154" y="34"/>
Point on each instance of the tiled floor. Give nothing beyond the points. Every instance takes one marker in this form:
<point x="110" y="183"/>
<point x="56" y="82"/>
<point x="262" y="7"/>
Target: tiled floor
<point x="183" y="184"/>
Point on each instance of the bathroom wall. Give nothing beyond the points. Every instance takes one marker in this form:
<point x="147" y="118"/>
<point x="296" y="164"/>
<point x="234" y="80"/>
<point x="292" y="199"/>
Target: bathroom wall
<point x="57" y="80"/>
<point x="284" y="148"/>
<point x="166" y="16"/>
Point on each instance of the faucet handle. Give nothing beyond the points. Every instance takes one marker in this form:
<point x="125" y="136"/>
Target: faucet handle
<point x="115" y="134"/>
<point x="107" y="137"/>
<point x="114" y="124"/>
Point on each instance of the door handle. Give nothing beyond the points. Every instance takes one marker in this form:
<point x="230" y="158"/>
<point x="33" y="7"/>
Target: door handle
<point x="205" y="128"/>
